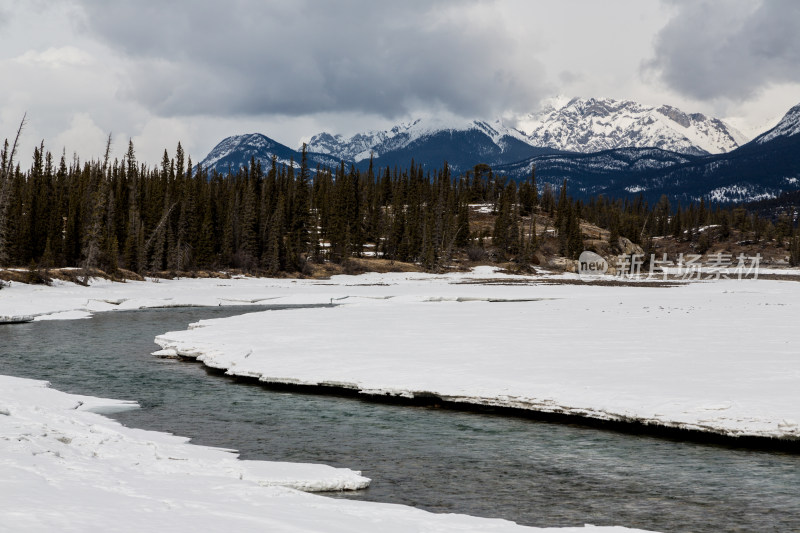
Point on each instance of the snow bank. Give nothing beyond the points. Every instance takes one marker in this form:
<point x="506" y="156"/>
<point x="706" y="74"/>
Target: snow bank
<point x="15" y="319"/>
<point x="713" y="356"/>
<point x="67" y="301"/>
<point x="69" y="427"/>
<point x="65" y="468"/>
<point x="719" y="357"/>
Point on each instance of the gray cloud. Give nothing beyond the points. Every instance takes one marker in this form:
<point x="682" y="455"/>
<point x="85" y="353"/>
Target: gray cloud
<point x="729" y="49"/>
<point x="568" y="77"/>
<point x="293" y="57"/>
<point x="5" y="16"/>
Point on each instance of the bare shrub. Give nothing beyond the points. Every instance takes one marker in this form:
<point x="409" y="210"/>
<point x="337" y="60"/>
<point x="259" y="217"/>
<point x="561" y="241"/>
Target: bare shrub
<point x="476" y="253"/>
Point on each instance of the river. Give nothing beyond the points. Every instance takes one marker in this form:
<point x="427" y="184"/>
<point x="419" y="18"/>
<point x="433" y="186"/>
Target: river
<point x="531" y="472"/>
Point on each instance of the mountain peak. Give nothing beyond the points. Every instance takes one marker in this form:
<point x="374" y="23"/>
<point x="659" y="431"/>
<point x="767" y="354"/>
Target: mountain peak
<point x="236" y="151"/>
<point x="788" y="126"/>
<point x="583" y="125"/>
<point x="247" y="142"/>
<point x="361" y="145"/>
<point x="595" y="124"/>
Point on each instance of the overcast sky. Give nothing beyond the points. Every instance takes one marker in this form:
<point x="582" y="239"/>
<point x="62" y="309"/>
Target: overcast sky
<point x="161" y="71"/>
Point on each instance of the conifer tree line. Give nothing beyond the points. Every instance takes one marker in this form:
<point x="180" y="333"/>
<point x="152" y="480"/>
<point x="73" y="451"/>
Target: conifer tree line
<point x="177" y="217"/>
<point x="641" y="222"/>
<point x="283" y="217"/>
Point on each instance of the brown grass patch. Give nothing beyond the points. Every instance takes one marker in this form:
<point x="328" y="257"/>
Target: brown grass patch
<point x="361" y="265"/>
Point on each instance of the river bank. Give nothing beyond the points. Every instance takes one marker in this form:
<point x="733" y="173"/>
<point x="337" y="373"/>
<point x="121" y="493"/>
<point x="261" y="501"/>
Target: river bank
<point x="715" y="357"/>
<point x="65" y="466"/>
<point x="435" y="459"/>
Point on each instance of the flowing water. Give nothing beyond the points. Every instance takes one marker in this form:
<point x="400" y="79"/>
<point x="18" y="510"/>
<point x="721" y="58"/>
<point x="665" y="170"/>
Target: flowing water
<point x="530" y="472"/>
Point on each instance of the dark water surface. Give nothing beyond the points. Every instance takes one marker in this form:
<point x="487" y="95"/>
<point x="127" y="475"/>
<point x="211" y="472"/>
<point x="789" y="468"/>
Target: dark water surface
<point x="445" y="461"/>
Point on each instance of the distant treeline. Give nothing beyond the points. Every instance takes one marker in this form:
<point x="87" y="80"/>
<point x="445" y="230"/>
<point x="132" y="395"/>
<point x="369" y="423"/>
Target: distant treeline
<point x="176" y="217"/>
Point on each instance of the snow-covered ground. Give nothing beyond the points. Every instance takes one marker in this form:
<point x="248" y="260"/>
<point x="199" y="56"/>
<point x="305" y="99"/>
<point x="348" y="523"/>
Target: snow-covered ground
<point x="715" y="356"/>
<point x="64" y="467"/>
<point x="67" y="301"/>
<point x="721" y="357"/>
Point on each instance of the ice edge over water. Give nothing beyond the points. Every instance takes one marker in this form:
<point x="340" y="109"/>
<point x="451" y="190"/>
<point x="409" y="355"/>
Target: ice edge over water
<point x="787" y="430"/>
<point x="64" y="465"/>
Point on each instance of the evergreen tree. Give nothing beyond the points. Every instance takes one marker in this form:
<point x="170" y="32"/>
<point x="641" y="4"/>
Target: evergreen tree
<point x="109" y="214"/>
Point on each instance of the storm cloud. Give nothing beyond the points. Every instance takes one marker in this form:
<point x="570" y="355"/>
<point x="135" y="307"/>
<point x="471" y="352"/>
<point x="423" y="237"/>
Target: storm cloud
<point x="295" y="58"/>
<point x="729" y="49"/>
<point x="197" y="71"/>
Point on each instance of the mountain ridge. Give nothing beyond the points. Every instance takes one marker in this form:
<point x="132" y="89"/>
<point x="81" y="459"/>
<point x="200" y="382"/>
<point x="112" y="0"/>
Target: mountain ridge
<point x="595" y="124"/>
<point x="582" y="125"/>
<point x="236" y="151"/>
<point x="761" y="168"/>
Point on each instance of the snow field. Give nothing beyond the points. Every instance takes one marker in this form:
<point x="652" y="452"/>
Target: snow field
<point x="63" y="467"/>
<point x="718" y="356"/>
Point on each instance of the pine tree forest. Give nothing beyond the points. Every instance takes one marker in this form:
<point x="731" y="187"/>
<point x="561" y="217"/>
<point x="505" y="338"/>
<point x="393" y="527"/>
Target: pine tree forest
<point x="175" y="217"/>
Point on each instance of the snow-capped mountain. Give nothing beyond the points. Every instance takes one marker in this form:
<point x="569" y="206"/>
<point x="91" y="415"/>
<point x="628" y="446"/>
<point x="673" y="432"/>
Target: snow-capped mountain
<point x="427" y="143"/>
<point x="788" y="126"/>
<point x="378" y="143"/>
<point x="244" y="146"/>
<point x="430" y="142"/>
<point x="576" y="125"/>
<point x="595" y="124"/>
<point x="356" y="148"/>
<point x="760" y="169"/>
<point x="236" y="151"/>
